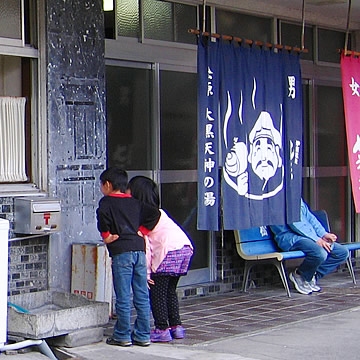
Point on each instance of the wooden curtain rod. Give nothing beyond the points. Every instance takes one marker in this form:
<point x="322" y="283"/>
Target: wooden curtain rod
<point x="247" y="41"/>
<point x="349" y="52"/>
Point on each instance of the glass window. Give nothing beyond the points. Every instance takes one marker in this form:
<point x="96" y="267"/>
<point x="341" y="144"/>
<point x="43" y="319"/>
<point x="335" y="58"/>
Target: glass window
<point x="127" y="18"/>
<point x="243" y="26"/>
<point x="333" y="190"/>
<point x="180" y="201"/>
<point x="15" y="118"/>
<point x="10" y="19"/>
<point x="306" y="126"/>
<point x="207" y="18"/>
<point x="330" y="191"/>
<point x="163" y="20"/>
<point x="329" y="42"/>
<point x="290" y="34"/>
<point x="30" y="22"/>
<point x="178" y="120"/>
<point x="169" y="21"/>
<point x="158" y="20"/>
<point x="128" y="117"/>
<point x="184" y="19"/>
<point x="331" y="141"/>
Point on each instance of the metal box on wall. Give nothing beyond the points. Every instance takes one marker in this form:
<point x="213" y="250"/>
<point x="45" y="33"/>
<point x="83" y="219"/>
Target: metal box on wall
<point x="91" y="274"/>
<point x="36" y="215"/>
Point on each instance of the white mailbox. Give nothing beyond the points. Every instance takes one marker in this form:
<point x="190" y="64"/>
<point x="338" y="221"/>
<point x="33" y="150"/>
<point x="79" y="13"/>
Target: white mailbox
<point x="36" y="215"/>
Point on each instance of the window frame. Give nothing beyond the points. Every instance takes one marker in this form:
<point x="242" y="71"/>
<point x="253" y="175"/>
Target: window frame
<point x="37" y="168"/>
<point x="13" y="41"/>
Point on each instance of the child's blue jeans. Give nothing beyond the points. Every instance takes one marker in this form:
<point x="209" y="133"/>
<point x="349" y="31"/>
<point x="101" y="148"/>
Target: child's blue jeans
<point x="129" y="272"/>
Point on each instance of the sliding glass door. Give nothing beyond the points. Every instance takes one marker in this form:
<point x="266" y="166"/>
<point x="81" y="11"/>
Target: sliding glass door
<point x="326" y="180"/>
<point x="152" y="131"/>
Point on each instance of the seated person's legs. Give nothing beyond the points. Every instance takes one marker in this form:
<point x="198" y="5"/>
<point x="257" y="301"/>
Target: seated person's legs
<point x="315" y="256"/>
<point x="338" y="255"/>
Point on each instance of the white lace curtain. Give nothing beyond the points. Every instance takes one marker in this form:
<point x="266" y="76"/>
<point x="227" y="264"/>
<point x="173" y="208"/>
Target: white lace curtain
<point x="12" y="139"/>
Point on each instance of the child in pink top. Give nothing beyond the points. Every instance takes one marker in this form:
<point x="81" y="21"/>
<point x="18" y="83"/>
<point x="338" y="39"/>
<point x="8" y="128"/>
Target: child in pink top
<point x="168" y="254"/>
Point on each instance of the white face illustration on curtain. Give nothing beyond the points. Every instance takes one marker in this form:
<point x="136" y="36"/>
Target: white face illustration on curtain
<point x="261" y="151"/>
<point x="265" y="144"/>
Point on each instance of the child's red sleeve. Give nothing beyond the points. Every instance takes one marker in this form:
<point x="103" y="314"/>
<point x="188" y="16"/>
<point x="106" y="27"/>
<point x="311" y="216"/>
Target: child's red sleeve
<point x="144" y="230"/>
<point x="104" y="235"/>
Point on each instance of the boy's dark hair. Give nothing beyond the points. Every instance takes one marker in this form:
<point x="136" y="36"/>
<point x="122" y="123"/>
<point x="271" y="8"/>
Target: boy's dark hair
<point x="117" y="177"/>
<point x="145" y="190"/>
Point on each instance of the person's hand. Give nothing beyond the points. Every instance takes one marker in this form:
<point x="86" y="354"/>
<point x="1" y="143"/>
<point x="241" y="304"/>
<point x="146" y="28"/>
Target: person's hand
<point x="150" y="282"/>
<point x="330" y="237"/>
<point x="111" y="238"/>
<point x="324" y="244"/>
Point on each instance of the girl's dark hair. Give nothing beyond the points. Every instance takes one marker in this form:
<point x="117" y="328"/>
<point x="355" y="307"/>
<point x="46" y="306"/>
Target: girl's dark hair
<point x="145" y="190"/>
<point x="117" y="177"/>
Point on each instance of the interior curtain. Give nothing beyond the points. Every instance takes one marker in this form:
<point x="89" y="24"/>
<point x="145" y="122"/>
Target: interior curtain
<point x="250" y="123"/>
<point x="12" y="139"/>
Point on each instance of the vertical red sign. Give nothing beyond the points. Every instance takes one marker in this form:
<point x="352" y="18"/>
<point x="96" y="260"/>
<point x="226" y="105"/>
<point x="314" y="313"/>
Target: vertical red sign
<point x="350" y="74"/>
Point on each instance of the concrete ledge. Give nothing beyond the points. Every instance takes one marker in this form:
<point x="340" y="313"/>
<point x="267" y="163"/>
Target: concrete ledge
<point x="78" y="338"/>
<point x="52" y="314"/>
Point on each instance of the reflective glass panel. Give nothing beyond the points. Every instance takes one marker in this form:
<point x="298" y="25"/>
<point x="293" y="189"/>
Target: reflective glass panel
<point x="30" y="22"/>
<point x="127" y="18"/>
<point x="178" y="120"/>
<point x="128" y="105"/>
<point x="330" y="135"/>
<point x="158" y="20"/>
<point x="306" y="124"/>
<point x="329" y="42"/>
<point x="291" y="36"/>
<point x="184" y="19"/>
<point x="10" y="19"/>
<point x="180" y="201"/>
<point x="169" y="21"/>
<point x="244" y="26"/>
<point x="333" y="191"/>
<point x="207" y="18"/>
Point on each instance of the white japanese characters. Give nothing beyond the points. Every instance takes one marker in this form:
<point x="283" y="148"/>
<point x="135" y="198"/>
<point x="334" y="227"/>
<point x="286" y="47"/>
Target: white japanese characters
<point x="294" y="156"/>
<point x="210" y="155"/>
<point x="292" y="88"/>
<point x="354" y="87"/>
<point x="263" y="231"/>
<point x="356" y="150"/>
<point x="210" y="85"/>
<point x="350" y="76"/>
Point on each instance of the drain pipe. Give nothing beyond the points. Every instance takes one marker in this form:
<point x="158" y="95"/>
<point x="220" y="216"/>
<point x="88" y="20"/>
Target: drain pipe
<point x="43" y="347"/>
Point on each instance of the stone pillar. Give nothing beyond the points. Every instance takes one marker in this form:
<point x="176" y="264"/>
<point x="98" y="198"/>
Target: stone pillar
<point x="76" y="123"/>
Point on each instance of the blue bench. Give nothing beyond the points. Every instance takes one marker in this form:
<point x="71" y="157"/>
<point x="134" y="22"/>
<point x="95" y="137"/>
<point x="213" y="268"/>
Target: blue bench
<point x="257" y="245"/>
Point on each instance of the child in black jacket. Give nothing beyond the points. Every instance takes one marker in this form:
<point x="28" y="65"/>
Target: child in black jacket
<point x="119" y="217"/>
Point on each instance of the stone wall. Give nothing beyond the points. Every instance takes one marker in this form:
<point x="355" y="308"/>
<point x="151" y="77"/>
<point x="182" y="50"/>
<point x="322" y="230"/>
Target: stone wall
<point x="28" y="265"/>
<point x="77" y="128"/>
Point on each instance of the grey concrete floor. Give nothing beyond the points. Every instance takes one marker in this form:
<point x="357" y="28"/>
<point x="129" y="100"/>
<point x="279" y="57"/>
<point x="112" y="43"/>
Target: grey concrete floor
<point x="262" y="324"/>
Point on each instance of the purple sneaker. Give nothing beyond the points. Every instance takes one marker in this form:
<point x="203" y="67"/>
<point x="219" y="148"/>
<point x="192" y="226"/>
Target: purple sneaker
<point x="158" y="335"/>
<point x="177" y="332"/>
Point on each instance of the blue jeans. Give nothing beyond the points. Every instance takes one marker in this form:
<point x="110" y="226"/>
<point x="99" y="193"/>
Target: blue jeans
<point x="317" y="259"/>
<point x="129" y="272"/>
